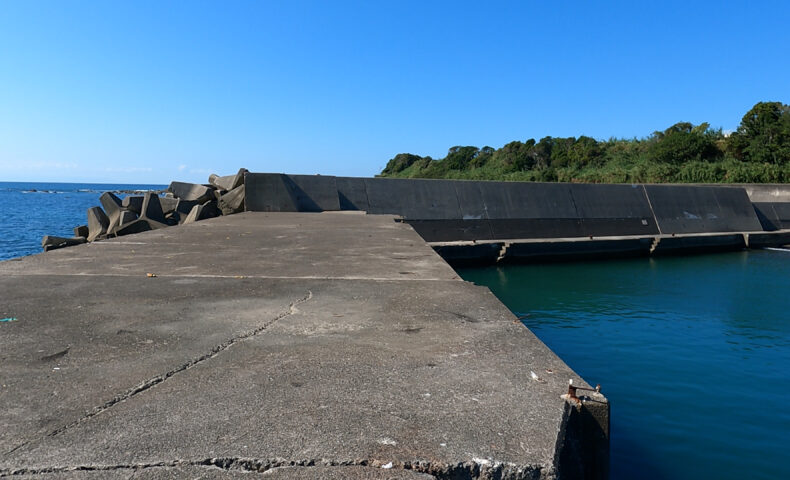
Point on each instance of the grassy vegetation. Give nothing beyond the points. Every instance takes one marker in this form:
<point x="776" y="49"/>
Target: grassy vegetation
<point x="758" y="152"/>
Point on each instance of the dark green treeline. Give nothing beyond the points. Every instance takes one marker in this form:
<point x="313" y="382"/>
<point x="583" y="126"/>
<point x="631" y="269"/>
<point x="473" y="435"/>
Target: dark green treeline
<point x="758" y="152"/>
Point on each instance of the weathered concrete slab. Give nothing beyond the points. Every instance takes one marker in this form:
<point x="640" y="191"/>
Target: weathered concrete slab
<point x="333" y="340"/>
<point x="317" y="245"/>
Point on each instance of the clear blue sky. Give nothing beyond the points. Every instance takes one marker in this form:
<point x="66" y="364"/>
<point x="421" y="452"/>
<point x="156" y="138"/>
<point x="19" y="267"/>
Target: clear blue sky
<point x="153" y="91"/>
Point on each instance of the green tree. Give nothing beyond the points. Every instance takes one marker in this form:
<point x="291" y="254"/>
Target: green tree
<point x="515" y="156"/>
<point x="763" y="135"/>
<point x="683" y="142"/>
<point x="399" y="163"/>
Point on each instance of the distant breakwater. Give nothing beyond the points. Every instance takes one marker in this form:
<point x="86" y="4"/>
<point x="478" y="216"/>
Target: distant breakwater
<point x="487" y="221"/>
<point x="480" y="221"/>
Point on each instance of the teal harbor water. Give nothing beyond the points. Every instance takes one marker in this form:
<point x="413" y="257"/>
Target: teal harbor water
<point x="692" y="352"/>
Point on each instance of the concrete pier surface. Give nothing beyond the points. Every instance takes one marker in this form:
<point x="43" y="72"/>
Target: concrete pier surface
<point x="301" y="345"/>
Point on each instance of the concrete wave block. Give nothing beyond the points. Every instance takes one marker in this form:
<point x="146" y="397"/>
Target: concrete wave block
<point x="51" y="242"/>
<point x="202" y="212"/>
<point x="183" y="209"/>
<point x="152" y="208"/>
<point x="229" y="182"/>
<point x="233" y="201"/>
<point x="168" y="204"/>
<point x="112" y="205"/>
<point x="81" y="231"/>
<point x="138" y="226"/>
<point x="191" y="191"/>
<point x="97" y="223"/>
<point x="127" y="217"/>
<point x="133" y="203"/>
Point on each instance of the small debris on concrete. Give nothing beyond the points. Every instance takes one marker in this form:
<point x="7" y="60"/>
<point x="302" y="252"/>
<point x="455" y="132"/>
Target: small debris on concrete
<point x="8" y="319"/>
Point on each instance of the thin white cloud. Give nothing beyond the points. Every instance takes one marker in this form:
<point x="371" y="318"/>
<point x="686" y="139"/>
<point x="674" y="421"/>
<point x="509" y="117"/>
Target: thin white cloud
<point x="182" y="167"/>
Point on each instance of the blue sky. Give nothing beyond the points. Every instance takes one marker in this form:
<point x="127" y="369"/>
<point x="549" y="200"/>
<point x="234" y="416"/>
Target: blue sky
<point x="154" y="91"/>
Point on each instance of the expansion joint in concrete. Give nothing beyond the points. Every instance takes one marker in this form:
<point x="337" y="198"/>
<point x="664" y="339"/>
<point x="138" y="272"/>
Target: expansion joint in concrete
<point x="154" y="381"/>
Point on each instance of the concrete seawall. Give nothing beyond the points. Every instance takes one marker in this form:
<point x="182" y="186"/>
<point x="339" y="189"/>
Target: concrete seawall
<point x="303" y="345"/>
<point x="477" y="221"/>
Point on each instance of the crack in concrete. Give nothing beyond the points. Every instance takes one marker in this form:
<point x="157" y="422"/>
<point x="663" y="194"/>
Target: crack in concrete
<point x="471" y="470"/>
<point x="152" y="382"/>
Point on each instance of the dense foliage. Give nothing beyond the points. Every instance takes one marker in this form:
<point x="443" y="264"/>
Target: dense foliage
<point x="759" y="152"/>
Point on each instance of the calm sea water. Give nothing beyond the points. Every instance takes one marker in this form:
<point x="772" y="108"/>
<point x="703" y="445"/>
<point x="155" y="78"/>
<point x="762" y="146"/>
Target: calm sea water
<point x="28" y="211"/>
<point x="692" y="352"/>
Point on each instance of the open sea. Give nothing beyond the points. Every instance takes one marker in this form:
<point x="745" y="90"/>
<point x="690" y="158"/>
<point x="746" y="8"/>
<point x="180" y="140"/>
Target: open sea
<point x="28" y="211"/>
<point x="693" y="352"/>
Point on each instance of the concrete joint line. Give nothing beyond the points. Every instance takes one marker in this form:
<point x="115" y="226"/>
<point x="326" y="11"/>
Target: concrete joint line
<point x="237" y="277"/>
<point x="472" y="470"/>
<point x="152" y="382"/>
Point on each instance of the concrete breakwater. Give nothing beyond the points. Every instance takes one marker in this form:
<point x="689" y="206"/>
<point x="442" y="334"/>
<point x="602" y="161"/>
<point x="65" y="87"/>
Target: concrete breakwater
<point x="303" y="345"/>
<point x="481" y="221"/>
<point x="331" y="345"/>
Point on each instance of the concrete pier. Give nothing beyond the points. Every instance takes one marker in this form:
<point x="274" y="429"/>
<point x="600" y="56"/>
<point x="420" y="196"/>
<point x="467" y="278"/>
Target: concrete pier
<point x="302" y="345"/>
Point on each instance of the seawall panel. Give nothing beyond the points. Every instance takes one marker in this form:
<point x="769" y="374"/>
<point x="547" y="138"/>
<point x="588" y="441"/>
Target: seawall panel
<point x="290" y="193"/>
<point x="773" y="215"/>
<point x="688" y="209"/>
<point x="352" y="194"/>
<point x="613" y="210"/>
<point x="413" y="199"/>
<point x="445" y="211"/>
